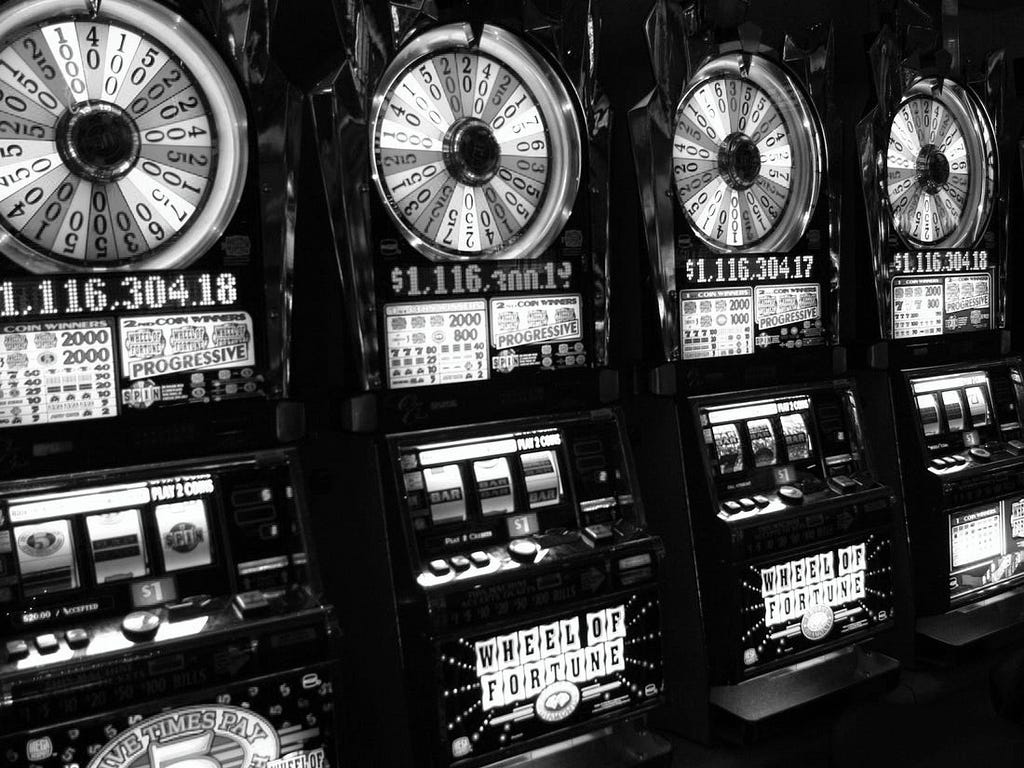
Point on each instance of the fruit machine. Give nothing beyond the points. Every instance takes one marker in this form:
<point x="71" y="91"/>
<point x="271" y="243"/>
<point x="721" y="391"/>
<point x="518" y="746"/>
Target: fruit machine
<point x="164" y="614"/>
<point x="935" y="196"/>
<point x="146" y="222"/>
<point x="782" y="539"/>
<point x="159" y="602"/>
<point x="509" y="608"/>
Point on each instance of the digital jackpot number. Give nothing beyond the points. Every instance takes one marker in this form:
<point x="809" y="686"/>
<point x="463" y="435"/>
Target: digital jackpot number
<point x="746" y="156"/>
<point x="476" y="150"/>
<point x="122" y="137"/>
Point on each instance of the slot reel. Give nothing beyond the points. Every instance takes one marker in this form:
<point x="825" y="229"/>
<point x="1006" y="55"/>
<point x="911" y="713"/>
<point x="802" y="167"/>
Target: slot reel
<point x="940" y="166"/>
<point x="747" y="155"/>
<point x="123" y="137"/>
<point x="476" y="146"/>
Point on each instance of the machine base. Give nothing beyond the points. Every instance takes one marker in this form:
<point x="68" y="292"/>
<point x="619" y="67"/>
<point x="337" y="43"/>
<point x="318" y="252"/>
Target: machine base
<point x="749" y="710"/>
<point x="626" y="745"/>
<point x="994" y="621"/>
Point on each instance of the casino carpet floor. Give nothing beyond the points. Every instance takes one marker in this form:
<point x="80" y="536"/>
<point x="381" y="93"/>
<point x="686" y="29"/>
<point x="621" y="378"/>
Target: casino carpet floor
<point x="939" y="718"/>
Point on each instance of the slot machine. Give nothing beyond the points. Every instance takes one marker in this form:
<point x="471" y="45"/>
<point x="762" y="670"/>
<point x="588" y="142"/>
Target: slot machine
<point x="935" y="198"/>
<point x="158" y="600"/>
<point x="780" y="532"/>
<point x="509" y="594"/>
<point x="161" y="614"/>
<point x="146" y="222"/>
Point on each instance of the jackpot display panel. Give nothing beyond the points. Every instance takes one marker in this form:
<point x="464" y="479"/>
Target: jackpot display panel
<point x="168" y="610"/>
<point x="732" y="156"/>
<point x="792" y="523"/>
<point x="469" y="201"/>
<point x="966" y="449"/>
<point x="145" y="235"/>
<point x="530" y="584"/>
<point x="934" y="197"/>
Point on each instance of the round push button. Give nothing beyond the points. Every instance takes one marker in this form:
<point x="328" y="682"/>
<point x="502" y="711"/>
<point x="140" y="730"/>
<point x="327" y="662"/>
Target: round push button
<point x="791" y="494"/>
<point x="523" y="550"/>
<point x="980" y="454"/>
<point x="140" y="625"/>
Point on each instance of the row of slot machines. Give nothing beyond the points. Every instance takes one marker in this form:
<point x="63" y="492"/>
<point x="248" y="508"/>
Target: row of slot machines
<point x="509" y="549"/>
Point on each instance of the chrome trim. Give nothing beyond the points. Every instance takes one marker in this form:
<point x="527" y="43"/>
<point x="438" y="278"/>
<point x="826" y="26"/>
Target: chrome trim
<point x="276" y="127"/>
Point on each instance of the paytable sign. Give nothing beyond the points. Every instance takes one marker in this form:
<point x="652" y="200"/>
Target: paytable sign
<point x="936" y="304"/>
<point x="164" y="357"/>
<point x="56" y="371"/>
<point x="986" y="546"/>
<point x="527" y="320"/>
<point x="788" y="315"/>
<point x="976" y="536"/>
<point x="436" y="342"/>
<point x="968" y="300"/>
<point x="537" y="331"/>
<point x="717" y="322"/>
<point x="156" y="345"/>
